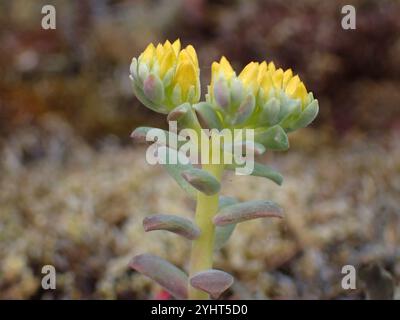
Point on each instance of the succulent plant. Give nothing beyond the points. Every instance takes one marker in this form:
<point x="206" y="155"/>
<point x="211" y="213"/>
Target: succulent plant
<point x="262" y="98"/>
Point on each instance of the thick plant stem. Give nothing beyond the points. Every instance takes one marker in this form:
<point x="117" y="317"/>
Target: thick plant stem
<point x="203" y="247"/>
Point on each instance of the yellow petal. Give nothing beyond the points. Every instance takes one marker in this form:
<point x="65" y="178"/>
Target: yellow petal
<point x="271" y="66"/>
<point x="167" y="62"/>
<point x="184" y="56"/>
<point x="292" y="85"/>
<point x="192" y="53"/>
<point x="167" y="44"/>
<point x="148" y="54"/>
<point x="185" y="76"/>
<point x="176" y="46"/>
<point x="277" y="78"/>
<point x="226" y="68"/>
<point x="301" y="92"/>
<point x="159" y="52"/>
<point x="262" y="69"/>
<point x="287" y="75"/>
<point x="215" y="67"/>
<point x="266" y="82"/>
<point x="249" y="73"/>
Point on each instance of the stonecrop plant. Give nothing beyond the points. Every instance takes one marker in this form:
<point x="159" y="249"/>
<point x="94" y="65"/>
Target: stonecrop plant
<point x="269" y="101"/>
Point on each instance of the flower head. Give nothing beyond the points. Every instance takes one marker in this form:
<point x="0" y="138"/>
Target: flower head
<point x="166" y="76"/>
<point x="261" y="96"/>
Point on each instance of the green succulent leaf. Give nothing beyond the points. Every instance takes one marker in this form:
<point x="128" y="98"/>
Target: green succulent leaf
<point x="270" y="112"/>
<point x="178" y="112"/>
<point x="185" y="116"/>
<point x="223" y="233"/>
<point x="153" y="88"/>
<point x="163" y="272"/>
<point x="222" y="94"/>
<point x="274" y="138"/>
<point x="306" y="117"/>
<point x="145" y="101"/>
<point x="246" y="211"/>
<point x="245" y="110"/>
<point x="261" y="170"/>
<point x="160" y="136"/>
<point x="175" y="171"/>
<point x="175" y="224"/>
<point x="201" y="180"/>
<point x="212" y="281"/>
<point x="207" y="116"/>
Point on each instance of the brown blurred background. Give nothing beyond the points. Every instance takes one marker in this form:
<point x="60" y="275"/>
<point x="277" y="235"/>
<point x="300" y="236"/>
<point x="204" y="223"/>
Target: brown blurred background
<point x="73" y="189"/>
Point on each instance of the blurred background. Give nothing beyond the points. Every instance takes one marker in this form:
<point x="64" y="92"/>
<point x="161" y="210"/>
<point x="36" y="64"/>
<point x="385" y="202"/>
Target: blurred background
<point x="74" y="189"/>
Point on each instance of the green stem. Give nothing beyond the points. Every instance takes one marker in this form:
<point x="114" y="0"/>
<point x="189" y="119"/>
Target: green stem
<point x="203" y="247"/>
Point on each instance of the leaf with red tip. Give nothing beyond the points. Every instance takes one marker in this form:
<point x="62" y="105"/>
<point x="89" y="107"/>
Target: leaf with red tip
<point x="159" y="136"/>
<point x="207" y="116"/>
<point x="185" y="116"/>
<point x="178" y="112"/>
<point x="175" y="224"/>
<point x="163" y="272"/>
<point x="246" y="211"/>
<point x="153" y="88"/>
<point x="201" y="180"/>
<point x="212" y="281"/>
<point x="141" y="134"/>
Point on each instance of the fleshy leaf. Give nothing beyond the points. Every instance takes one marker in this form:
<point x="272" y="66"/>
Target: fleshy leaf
<point x="153" y="88"/>
<point x="175" y="224"/>
<point x="261" y="170"/>
<point x="223" y="233"/>
<point x="185" y="116"/>
<point x="212" y="281"/>
<point x="293" y="113"/>
<point x="163" y="272"/>
<point x="246" y="211"/>
<point x="140" y="133"/>
<point x="207" y="116"/>
<point x="221" y="93"/>
<point x="306" y="117"/>
<point x="201" y="180"/>
<point x="175" y="171"/>
<point x="270" y="112"/>
<point x="168" y="138"/>
<point x="273" y="138"/>
<point x="144" y="100"/>
<point x="245" y="109"/>
<point x="177" y="113"/>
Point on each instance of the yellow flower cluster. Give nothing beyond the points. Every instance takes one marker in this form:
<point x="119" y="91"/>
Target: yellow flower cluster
<point x="169" y="75"/>
<point x="265" y="76"/>
<point x="166" y="77"/>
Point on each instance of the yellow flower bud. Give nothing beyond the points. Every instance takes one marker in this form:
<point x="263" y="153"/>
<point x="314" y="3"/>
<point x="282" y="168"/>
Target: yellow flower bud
<point x="187" y="75"/>
<point x="169" y="72"/>
<point x="221" y="69"/>
<point x="261" y="96"/>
